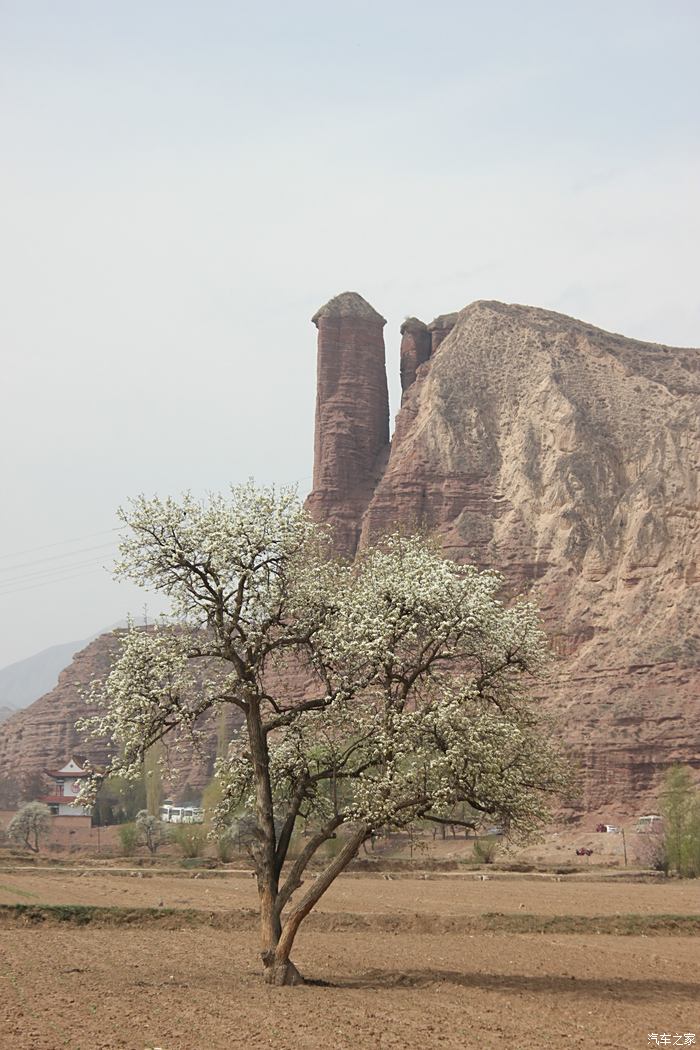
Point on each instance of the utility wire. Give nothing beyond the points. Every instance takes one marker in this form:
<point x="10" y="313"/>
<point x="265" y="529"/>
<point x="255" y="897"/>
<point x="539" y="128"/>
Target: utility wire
<point x="57" y="557"/>
<point x="47" y="583"/>
<point x="59" y="543"/>
<point x="74" y="539"/>
<point x="40" y="574"/>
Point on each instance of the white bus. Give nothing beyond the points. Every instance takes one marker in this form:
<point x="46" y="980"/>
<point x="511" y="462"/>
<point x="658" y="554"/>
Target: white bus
<point x="181" y="814"/>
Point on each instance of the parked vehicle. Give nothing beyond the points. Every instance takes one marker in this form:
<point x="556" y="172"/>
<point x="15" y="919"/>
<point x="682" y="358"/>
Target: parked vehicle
<point x="181" y="814"/>
<point x="650" y="823"/>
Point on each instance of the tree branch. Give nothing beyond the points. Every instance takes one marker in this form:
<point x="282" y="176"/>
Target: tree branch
<point x="288" y="826"/>
<point x="293" y="880"/>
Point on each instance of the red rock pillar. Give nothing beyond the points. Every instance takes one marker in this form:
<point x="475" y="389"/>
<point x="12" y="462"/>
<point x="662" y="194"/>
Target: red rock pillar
<point x="415" y="350"/>
<point x="440" y="328"/>
<point x="352" y="415"/>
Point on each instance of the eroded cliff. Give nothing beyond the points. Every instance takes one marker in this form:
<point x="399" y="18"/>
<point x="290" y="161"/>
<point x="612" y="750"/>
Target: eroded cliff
<point x="44" y="734"/>
<point x="567" y="458"/>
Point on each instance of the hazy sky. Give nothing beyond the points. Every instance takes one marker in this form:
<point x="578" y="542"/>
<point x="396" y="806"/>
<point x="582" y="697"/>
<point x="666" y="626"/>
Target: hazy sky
<point x="183" y="184"/>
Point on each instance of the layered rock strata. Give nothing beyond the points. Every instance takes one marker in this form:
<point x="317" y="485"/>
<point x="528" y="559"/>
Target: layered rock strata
<point x="416" y="347"/>
<point x="440" y="328"/>
<point x="351" y="440"/>
<point x="567" y="458"/>
<point x="44" y="734"/>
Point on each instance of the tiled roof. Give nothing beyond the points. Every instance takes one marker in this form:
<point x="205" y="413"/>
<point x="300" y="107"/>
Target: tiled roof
<point x="53" y="800"/>
<point x="57" y="774"/>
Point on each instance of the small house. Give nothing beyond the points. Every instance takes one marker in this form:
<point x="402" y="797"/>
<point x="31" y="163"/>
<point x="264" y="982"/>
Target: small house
<point x="65" y="790"/>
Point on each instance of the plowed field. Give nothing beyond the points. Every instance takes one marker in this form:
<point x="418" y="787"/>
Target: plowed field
<point x="96" y="987"/>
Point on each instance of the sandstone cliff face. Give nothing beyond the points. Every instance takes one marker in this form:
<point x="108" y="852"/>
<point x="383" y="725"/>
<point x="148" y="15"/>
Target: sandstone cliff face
<point x="567" y="458"/>
<point x="440" y="328"/>
<point x="352" y="415"/>
<point x="416" y="348"/>
<point x="43" y="735"/>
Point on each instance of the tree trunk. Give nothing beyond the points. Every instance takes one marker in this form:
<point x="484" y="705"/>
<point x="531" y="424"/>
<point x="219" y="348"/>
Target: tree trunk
<point x="282" y="973"/>
<point x="270" y="924"/>
<point x="268" y="882"/>
<point x="276" y="969"/>
<point x="279" y="969"/>
<point x="277" y="940"/>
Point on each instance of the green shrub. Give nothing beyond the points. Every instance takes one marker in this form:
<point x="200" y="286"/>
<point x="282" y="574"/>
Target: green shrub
<point x="191" y="838"/>
<point x="485" y="849"/>
<point x="129" y="838"/>
<point x="226" y="845"/>
<point x="680" y="806"/>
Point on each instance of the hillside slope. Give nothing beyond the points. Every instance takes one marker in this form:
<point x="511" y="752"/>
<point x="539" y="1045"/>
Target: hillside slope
<point x="23" y="682"/>
<point x="44" y="735"/>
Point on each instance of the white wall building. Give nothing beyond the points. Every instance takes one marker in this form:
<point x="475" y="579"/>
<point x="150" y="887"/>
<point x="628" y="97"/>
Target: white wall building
<point x="65" y="790"/>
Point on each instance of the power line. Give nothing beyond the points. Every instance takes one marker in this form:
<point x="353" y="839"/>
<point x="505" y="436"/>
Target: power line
<point x="48" y="583"/>
<point x="40" y="574"/>
<point x="57" y="557"/>
<point x="58" y="543"/>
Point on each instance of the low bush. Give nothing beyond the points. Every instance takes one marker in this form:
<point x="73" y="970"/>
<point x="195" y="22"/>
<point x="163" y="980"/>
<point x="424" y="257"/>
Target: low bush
<point x="129" y="839"/>
<point x="485" y="849"/>
<point x="199" y="862"/>
<point x="226" y="845"/>
<point x="191" y="838"/>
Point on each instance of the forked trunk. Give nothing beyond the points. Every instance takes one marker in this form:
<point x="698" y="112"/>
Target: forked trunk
<point x="281" y="972"/>
<point x="278" y="969"/>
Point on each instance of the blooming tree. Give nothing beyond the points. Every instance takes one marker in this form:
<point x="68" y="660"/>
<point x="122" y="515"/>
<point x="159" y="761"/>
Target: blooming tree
<point x="152" y="832"/>
<point x="30" y="825"/>
<point x="416" y="699"/>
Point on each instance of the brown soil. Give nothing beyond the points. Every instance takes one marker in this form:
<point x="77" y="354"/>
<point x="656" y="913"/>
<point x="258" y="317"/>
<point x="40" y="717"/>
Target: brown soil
<point x="451" y="895"/>
<point x="198" y="988"/>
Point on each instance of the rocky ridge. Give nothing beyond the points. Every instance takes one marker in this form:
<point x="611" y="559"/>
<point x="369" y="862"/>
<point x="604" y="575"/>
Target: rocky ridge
<point x="567" y="458"/>
<point x="44" y="734"/>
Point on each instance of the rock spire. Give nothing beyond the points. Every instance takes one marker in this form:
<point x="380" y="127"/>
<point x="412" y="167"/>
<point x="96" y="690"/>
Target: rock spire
<point x="415" y="350"/>
<point x="351" y="442"/>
